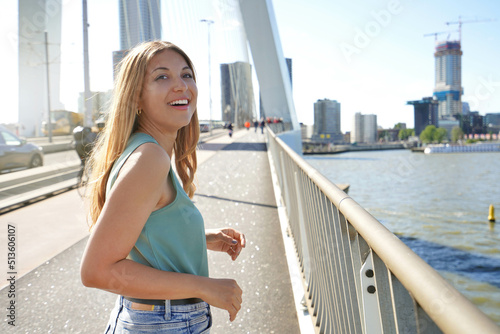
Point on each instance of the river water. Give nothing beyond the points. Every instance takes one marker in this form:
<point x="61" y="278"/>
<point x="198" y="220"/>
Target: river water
<point x="438" y="205"/>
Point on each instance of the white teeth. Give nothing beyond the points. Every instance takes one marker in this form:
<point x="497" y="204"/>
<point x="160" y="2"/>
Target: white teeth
<point x="178" y="102"/>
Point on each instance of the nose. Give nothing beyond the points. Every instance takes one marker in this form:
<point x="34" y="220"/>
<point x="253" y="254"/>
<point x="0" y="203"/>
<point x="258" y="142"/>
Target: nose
<point x="180" y="84"/>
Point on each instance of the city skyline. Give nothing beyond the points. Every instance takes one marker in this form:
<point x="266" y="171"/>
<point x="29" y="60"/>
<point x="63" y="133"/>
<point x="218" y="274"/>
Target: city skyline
<point x="371" y="58"/>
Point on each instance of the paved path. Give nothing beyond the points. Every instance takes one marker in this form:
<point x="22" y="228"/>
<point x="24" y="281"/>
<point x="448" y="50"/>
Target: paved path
<point x="234" y="189"/>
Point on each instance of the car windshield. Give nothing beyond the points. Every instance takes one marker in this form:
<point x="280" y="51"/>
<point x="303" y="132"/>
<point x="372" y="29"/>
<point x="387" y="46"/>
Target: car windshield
<point x="9" y="139"/>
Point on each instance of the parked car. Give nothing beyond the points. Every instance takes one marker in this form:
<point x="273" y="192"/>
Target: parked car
<point x="204" y="127"/>
<point x="18" y="153"/>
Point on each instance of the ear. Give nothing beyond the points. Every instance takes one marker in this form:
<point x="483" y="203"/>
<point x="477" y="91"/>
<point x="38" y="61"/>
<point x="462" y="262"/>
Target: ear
<point x="139" y="102"/>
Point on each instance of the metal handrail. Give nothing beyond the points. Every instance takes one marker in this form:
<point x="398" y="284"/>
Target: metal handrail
<point x="360" y="277"/>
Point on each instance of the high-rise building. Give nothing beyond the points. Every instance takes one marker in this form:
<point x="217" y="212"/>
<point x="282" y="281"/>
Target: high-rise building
<point x="357" y="128"/>
<point x="327" y="121"/>
<point x="448" y="89"/>
<point x="473" y="123"/>
<point x="492" y="118"/>
<point x="492" y="122"/>
<point x="465" y="108"/>
<point x="364" y="129"/>
<point x="237" y="93"/>
<point x="37" y="57"/>
<point x="139" y="22"/>
<point x="370" y="128"/>
<point x="425" y="113"/>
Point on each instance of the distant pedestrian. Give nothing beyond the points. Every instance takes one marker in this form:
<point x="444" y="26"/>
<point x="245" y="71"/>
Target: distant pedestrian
<point x="247" y="125"/>
<point x="255" y="124"/>
<point x="262" y="125"/>
<point x="230" y="128"/>
<point x="84" y="143"/>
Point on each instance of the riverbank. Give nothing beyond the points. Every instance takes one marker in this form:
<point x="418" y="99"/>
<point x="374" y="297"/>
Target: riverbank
<point x="309" y="149"/>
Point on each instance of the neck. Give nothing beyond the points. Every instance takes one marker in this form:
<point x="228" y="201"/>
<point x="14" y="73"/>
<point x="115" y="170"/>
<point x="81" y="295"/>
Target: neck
<point x="166" y="140"/>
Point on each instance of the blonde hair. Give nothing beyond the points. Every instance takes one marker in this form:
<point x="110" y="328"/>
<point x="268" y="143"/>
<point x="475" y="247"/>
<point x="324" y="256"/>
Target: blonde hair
<point x="122" y="122"/>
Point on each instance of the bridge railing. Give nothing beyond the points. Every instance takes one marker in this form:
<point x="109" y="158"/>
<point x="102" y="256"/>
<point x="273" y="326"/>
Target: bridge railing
<point x="359" y="277"/>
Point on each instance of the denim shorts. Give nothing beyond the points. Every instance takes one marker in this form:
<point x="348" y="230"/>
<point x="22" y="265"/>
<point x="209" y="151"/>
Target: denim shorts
<point x="192" y="318"/>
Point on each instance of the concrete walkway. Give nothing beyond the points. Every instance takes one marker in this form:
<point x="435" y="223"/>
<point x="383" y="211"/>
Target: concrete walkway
<point x="234" y="189"/>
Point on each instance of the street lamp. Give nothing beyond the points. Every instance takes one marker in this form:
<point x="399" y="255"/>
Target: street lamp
<point x="49" y="123"/>
<point x="87" y="103"/>
<point x="209" y="22"/>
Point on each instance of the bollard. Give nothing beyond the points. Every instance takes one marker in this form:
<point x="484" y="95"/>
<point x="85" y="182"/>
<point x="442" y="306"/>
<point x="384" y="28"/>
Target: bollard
<point x="491" y="216"/>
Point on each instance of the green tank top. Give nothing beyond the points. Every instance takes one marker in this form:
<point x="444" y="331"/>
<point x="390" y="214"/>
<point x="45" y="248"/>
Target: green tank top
<point x="173" y="238"/>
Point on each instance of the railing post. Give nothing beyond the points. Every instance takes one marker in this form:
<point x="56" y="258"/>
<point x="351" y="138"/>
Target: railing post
<point x="372" y="321"/>
<point x="306" y="262"/>
<point x="404" y="310"/>
<point x="285" y="181"/>
<point x="384" y="294"/>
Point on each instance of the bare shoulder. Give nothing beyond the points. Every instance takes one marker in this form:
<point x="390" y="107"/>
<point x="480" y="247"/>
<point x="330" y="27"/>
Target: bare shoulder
<point x="148" y="162"/>
<point x="150" y="156"/>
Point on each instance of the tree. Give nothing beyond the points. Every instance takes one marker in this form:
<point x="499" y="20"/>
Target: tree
<point x="383" y="135"/>
<point x="431" y="134"/>
<point x="404" y="134"/>
<point x="427" y="136"/>
<point x="456" y="134"/>
<point x="440" y="135"/>
<point x="398" y="126"/>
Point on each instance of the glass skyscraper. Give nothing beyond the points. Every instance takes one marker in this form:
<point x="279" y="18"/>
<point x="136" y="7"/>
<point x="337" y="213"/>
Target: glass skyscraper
<point x="237" y="93"/>
<point x="140" y="21"/>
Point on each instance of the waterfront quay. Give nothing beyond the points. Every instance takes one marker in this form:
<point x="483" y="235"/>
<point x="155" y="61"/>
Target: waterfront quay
<point x="311" y="148"/>
<point x="321" y="148"/>
<point x="235" y="189"/>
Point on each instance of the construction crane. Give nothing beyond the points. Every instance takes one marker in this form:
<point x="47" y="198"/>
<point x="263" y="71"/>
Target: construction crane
<point x="435" y="34"/>
<point x="460" y="22"/>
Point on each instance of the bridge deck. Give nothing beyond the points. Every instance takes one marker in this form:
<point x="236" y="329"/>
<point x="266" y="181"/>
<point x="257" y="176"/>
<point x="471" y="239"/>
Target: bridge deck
<point x="234" y="189"/>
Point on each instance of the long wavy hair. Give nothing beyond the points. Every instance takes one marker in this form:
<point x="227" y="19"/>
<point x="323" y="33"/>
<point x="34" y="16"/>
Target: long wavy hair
<point x="122" y="123"/>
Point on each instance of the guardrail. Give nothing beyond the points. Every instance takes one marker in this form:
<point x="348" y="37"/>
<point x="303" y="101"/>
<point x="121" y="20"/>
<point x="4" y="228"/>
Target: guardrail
<point x="359" y="277"/>
<point x="31" y="185"/>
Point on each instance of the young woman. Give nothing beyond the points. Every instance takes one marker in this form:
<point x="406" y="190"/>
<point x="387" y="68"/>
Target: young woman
<point x="148" y="242"/>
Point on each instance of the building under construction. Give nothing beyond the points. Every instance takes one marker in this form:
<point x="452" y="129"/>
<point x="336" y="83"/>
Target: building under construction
<point x="448" y="86"/>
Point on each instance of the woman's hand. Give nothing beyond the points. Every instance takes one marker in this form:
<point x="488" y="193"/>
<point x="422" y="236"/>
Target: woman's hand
<point x="222" y="293"/>
<point x="226" y="240"/>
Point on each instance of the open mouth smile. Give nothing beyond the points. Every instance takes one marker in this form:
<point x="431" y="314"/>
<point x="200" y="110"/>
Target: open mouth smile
<point x="180" y="103"/>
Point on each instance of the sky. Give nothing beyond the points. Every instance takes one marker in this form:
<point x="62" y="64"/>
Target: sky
<point x="371" y="57"/>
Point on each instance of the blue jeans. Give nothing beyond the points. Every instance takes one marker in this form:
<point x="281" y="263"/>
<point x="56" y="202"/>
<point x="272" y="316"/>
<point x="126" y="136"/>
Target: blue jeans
<point x="178" y="319"/>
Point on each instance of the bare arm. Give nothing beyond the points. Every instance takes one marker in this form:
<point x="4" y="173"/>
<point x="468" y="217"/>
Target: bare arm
<point x="135" y="194"/>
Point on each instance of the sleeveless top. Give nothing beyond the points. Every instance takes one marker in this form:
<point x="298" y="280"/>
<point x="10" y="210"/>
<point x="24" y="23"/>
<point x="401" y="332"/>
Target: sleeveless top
<point x="173" y="238"/>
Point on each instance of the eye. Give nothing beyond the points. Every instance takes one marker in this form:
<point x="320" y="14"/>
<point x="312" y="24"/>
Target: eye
<point x="161" y="77"/>
<point x="188" y="76"/>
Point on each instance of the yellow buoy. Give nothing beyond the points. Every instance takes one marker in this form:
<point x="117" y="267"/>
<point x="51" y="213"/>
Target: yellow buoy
<point x="491" y="216"/>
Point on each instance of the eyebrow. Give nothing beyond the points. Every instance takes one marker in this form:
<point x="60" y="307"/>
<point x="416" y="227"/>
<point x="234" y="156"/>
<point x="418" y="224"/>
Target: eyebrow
<point x="167" y="69"/>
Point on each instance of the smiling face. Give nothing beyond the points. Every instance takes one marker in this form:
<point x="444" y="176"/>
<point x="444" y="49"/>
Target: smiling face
<point x="169" y="93"/>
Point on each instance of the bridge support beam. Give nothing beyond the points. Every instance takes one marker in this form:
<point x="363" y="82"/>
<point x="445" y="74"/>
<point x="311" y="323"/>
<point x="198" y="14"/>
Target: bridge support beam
<point x="270" y="65"/>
